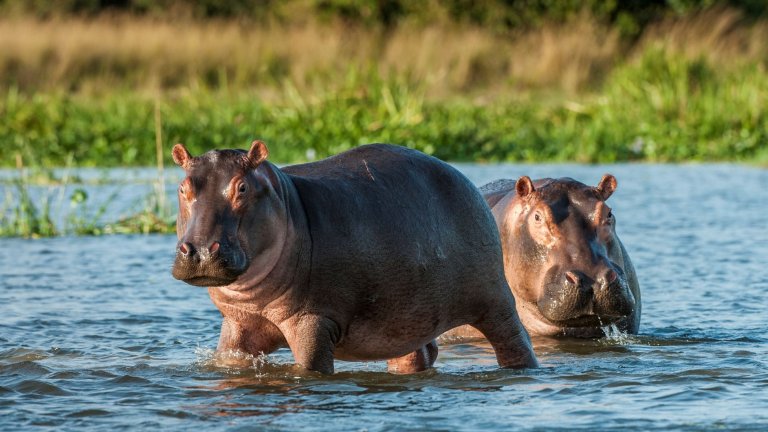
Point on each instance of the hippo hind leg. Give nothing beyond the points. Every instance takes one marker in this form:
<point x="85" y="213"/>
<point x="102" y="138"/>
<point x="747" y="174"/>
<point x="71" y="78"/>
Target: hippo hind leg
<point x="417" y="361"/>
<point x="503" y="329"/>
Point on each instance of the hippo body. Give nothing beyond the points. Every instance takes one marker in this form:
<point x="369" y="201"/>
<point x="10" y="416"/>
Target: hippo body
<point x="567" y="268"/>
<point x="367" y="255"/>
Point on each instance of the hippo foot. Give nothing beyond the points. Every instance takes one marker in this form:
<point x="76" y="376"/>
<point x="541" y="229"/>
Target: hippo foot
<point x="417" y="361"/>
<point x="509" y="339"/>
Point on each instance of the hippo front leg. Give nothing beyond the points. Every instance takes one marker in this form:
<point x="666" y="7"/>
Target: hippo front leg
<point x="417" y="361"/>
<point x="254" y="336"/>
<point x="312" y="340"/>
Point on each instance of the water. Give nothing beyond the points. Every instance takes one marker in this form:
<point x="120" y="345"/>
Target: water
<point x="95" y="334"/>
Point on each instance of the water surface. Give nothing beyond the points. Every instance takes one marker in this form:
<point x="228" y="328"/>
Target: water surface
<point x="95" y="334"/>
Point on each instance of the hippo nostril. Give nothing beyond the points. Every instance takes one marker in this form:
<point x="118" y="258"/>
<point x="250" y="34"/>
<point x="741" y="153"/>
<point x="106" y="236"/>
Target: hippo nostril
<point x="214" y="247"/>
<point x="186" y="249"/>
<point x="572" y="278"/>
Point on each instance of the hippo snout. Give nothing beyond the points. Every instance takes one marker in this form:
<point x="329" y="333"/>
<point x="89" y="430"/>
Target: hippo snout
<point x="212" y="265"/>
<point x="190" y="252"/>
<point x="575" y="299"/>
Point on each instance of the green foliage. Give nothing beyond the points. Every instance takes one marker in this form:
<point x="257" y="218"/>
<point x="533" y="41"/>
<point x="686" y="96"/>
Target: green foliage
<point x="28" y="213"/>
<point x="660" y="108"/>
<point x="21" y="216"/>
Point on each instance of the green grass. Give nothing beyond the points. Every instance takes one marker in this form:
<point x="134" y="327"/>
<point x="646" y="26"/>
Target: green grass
<point x="656" y="109"/>
<point x="24" y="216"/>
<point x="659" y="108"/>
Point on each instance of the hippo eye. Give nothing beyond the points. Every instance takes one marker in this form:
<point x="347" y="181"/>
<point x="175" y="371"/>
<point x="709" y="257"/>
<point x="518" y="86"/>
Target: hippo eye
<point x="242" y="188"/>
<point x="537" y="217"/>
<point x="181" y="189"/>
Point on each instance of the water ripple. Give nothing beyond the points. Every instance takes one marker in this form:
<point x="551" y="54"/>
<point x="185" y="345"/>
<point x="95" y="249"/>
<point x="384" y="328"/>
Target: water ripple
<point x="113" y="342"/>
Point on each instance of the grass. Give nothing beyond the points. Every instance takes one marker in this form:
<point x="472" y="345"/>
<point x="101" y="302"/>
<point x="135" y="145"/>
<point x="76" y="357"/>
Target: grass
<point x="120" y="91"/>
<point x="660" y="107"/>
<point x="29" y="210"/>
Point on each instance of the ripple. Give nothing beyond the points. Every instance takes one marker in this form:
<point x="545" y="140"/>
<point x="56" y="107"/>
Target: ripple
<point x="16" y="355"/>
<point x="93" y="412"/>
<point x="24" y="368"/>
<point x="129" y="379"/>
<point x="81" y="349"/>
<point x="39" y="388"/>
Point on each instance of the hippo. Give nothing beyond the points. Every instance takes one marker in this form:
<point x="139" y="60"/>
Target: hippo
<point x="568" y="270"/>
<point x="367" y="255"/>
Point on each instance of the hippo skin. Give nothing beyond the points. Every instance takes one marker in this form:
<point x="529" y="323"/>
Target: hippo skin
<point x="367" y="255"/>
<point x="568" y="270"/>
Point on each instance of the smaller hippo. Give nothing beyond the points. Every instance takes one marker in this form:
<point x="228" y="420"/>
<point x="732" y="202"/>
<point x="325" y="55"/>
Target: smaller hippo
<point x="567" y="268"/>
<point x="367" y="255"/>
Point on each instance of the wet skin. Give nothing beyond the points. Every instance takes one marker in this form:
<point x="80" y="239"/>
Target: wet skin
<point x="567" y="268"/>
<point x="367" y="255"/>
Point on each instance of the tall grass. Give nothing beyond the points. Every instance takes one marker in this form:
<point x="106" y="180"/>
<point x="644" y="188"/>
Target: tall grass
<point x="445" y="58"/>
<point x="660" y="107"/>
<point x="28" y="214"/>
<point x="135" y="53"/>
<point x="117" y="91"/>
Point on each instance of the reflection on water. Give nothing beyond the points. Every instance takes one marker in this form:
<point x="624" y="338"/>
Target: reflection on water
<point x="95" y="334"/>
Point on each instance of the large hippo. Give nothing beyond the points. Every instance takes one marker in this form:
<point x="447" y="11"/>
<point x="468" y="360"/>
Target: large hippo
<point x="567" y="268"/>
<point x="367" y="255"/>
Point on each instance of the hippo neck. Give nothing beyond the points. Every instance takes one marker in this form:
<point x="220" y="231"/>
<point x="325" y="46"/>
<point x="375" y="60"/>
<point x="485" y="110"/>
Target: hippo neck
<point x="288" y="271"/>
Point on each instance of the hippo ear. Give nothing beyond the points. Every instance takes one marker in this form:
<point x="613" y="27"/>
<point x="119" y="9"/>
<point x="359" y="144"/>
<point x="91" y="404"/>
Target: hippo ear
<point x="607" y="186"/>
<point x="181" y="155"/>
<point x="258" y="153"/>
<point x="524" y="186"/>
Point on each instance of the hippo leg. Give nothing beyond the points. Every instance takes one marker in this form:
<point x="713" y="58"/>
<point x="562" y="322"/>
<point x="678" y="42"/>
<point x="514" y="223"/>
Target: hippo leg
<point x="417" y="361"/>
<point x="511" y="343"/>
<point x="258" y="336"/>
<point x="312" y="342"/>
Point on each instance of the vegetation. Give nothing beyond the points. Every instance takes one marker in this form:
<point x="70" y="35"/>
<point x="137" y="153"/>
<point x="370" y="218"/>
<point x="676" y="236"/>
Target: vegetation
<point x="86" y="83"/>
<point x="660" y="108"/>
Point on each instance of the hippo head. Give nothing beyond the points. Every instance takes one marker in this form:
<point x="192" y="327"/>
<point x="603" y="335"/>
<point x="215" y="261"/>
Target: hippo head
<point x="226" y="214"/>
<point x="566" y="254"/>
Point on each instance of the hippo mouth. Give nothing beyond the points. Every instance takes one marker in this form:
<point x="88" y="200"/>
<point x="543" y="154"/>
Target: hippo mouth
<point x="589" y="320"/>
<point x="207" y="280"/>
<point x="206" y="277"/>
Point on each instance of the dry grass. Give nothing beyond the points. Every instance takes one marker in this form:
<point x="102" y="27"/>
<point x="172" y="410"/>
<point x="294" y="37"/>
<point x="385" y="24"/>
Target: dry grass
<point x="719" y="35"/>
<point x="143" y="54"/>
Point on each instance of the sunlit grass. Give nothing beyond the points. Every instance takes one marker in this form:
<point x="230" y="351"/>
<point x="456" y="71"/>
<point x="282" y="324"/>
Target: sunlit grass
<point x="80" y="93"/>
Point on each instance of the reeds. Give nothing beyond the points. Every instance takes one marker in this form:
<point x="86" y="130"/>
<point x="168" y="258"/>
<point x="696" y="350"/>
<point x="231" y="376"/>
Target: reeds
<point x="25" y="213"/>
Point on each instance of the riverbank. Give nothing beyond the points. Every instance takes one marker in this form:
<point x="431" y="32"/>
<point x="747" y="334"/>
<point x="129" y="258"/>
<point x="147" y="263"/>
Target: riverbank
<point x="691" y="87"/>
<point x="660" y="108"/>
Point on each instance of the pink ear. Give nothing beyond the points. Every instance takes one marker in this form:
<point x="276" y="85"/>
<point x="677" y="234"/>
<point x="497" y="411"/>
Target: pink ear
<point x="258" y="153"/>
<point x="524" y="186"/>
<point x="181" y="155"/>
<point x="606" y="186"/>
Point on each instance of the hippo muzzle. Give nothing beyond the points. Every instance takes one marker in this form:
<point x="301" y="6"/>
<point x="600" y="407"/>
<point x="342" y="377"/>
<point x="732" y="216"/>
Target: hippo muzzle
<point x="215" y="265"/>
<point x="573" y="299"/>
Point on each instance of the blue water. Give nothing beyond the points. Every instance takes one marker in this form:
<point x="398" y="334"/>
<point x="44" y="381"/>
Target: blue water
<point x="95" y="334"/>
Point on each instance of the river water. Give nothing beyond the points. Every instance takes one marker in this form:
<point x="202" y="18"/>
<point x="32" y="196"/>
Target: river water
<point x="95" y="334"/>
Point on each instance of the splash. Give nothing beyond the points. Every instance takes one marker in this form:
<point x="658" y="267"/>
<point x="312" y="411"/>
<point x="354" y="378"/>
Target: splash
<point x="234" y="361"/>
<point x="614" y="336"/>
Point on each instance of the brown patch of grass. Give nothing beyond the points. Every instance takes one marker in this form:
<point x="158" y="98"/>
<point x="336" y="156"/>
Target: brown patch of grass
<point x="145" y="54"/>
<point x="719" y="35"/>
